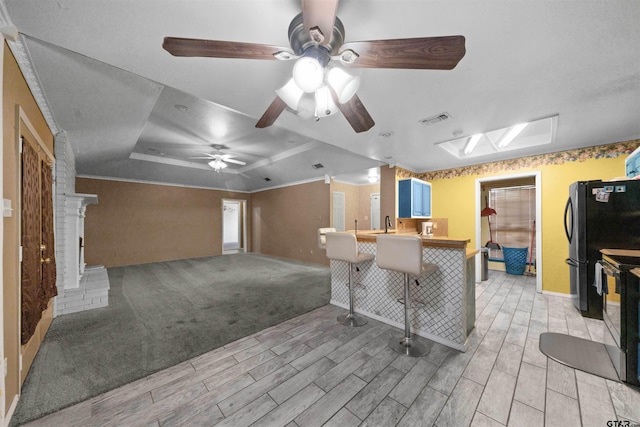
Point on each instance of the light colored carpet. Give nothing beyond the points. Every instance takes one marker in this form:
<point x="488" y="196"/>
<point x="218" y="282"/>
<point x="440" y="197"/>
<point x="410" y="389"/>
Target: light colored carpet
<point x="161" y="314"/>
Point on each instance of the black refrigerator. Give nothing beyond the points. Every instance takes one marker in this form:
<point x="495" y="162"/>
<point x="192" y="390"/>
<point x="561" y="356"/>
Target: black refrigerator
<point x="598" y="215"/>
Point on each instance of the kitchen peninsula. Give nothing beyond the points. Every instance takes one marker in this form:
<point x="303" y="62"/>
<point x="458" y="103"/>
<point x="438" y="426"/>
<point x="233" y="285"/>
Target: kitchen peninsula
<point x="443" y="302"/>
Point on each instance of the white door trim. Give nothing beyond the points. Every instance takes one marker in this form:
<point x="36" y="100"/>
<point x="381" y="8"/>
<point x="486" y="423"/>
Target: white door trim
<point x="538" y="184"/>
<point x="242" y="225"/>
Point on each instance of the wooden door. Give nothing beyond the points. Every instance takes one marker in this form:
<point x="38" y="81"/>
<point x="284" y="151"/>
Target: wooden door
<point x="38" y="271"/>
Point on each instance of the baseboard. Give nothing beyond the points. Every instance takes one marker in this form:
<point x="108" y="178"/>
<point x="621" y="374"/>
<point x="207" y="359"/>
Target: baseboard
<point x="399" y="325"/>
<point x="12" y="408"/>
<point x="557" y="294"/>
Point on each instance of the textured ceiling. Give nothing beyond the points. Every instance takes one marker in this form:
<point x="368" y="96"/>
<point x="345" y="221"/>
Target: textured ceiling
<point x="113" y="89"/>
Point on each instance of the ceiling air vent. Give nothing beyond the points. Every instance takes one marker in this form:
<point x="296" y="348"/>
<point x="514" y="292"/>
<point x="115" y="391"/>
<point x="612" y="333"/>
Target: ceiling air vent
<point x="435" y="119"/>
<point x="317" y="166"/>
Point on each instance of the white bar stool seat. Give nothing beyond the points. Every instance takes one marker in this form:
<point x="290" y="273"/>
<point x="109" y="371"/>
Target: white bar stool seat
<point x="404" y="254"/>
<point x="344" y="247"/>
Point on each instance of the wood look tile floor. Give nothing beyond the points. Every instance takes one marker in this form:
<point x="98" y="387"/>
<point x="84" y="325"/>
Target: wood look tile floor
<point x="311" y="371"/>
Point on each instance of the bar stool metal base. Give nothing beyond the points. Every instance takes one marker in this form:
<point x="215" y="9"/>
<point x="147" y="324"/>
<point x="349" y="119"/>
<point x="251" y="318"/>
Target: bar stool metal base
<point x="351" y="320"/>
<point x="408" y="347"/>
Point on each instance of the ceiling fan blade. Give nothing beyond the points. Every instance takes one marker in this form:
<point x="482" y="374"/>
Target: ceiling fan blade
<point x="354" y="111"/>
<point x="178" y="46"/>
<point x="208" y="156"/>
<point x="321" y="14"/>
<point x="273" y="111"/>
<point x="237" y="162"/>
<point x="428" y="53"/>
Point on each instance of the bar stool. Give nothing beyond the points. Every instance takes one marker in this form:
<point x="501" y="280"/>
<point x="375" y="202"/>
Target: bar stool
<point x="404" y="254"/>
<point x="344" y="247"/>
<point x="322" y="238"/>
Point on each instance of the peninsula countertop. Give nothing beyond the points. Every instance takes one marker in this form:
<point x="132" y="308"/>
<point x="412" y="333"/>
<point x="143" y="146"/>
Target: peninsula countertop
<point x="435" y="241"/>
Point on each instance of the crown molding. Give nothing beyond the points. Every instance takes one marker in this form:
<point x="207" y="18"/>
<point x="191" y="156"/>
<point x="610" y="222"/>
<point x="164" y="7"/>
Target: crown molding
<point x="4" y="15"/>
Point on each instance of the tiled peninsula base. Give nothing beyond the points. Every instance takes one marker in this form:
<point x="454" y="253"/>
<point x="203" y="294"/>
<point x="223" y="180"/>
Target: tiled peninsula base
<point x="443" y="302"/>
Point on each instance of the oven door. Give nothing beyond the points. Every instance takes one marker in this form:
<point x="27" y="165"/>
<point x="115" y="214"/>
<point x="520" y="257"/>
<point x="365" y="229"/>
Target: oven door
<point x="613" y="341"/>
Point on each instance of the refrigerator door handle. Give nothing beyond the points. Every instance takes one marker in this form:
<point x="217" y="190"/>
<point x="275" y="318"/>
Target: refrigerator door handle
<point x="568" y="208"/>
<point x="571" y="262"/>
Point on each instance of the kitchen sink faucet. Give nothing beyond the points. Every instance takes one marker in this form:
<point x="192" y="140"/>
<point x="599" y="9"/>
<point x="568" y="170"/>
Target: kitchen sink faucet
<point x="387" y="224"/>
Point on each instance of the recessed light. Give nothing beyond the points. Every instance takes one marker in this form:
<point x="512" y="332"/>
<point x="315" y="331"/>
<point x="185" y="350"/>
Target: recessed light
<point x="386" y="134"/>
<point x="267" y="179"/>
<point x="388" y="157"/>
<point x="181" y="107"/>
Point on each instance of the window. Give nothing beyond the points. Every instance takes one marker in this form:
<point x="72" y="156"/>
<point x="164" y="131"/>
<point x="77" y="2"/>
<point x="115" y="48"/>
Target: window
<point x="514" y="224"/>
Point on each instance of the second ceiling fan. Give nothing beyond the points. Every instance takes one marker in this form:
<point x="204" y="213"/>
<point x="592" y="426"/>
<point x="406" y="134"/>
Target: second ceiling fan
<point x="317" y="44"/>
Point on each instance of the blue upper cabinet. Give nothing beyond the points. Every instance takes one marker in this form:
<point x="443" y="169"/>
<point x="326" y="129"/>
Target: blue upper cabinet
<point x="414" y="199"/>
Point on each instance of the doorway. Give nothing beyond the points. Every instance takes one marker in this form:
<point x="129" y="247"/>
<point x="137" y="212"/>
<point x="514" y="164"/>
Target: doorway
<point x="375" y="211"/>
<point x="234" y="226"/>
<point x="38" y="266"/>
<point x="538" y="219"/>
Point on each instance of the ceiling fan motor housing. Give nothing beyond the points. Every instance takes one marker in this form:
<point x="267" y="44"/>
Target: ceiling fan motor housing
<point x="301" y="42"/>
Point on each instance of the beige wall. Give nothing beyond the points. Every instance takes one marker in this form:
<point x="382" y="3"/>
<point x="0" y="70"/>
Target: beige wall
<point x="357" y="203"/>
<point x="388" y="203"/>
<point x="15" y="94"/>
<point x="285" y="221"/>
<point x="135" y="223"/>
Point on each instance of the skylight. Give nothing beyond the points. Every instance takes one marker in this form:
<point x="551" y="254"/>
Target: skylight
<point x="516" y="137"/>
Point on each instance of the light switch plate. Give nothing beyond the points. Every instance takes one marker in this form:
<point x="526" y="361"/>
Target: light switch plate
<point x="7" y="210"/>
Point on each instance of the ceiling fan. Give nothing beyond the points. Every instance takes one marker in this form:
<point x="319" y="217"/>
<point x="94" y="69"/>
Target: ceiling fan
<point x="317" y="44"/>
<point x="219" y="161"/>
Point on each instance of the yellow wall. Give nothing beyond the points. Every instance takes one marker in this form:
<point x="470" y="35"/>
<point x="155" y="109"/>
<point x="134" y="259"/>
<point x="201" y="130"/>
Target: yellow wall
<point x="454" y="196"/>
<point x="15" y="94"/>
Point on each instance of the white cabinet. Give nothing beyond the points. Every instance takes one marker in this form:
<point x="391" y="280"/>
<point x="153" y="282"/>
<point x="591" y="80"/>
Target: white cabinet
<point x="414" y="198"/>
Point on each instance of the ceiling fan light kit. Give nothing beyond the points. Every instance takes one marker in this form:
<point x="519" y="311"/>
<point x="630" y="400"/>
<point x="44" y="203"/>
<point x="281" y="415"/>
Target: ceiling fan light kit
<point x="219" y="161"/>
<point x="317" y="38"/>
<point x="325" y="106"/>
<point x="217" y="165"/>
<point x="308" y="74"/>
<point x="291" y="94"/>
<point x="343" y="83"/>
